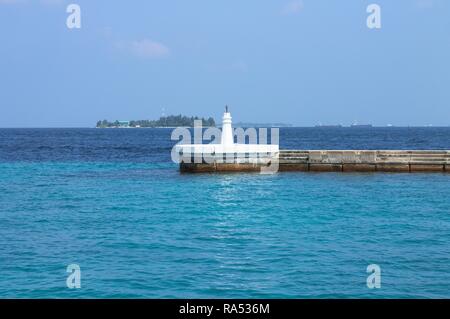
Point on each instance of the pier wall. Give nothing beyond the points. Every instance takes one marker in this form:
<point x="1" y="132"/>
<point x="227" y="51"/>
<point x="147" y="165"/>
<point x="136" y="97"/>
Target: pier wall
<point x="365" y="160"/>
<point x="340" y="161"/>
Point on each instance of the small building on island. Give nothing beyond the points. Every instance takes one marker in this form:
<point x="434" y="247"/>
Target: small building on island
<point x="123" y="124"/>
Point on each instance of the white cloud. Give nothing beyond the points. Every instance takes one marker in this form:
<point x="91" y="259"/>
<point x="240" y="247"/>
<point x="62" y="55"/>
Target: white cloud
<point x="292" y="7"/>
<point x="147" y="48"/>
<point x="424" y="4"/>
<point x="428" y="4"/>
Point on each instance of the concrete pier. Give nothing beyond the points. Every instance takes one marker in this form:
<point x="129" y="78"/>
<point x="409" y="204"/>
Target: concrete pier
<point x="365" y="160"/>
<point x="337" y="161"/>
<point x="268" y="158"/>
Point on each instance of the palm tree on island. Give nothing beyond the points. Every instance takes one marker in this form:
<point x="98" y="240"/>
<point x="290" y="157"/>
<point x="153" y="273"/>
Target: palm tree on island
<point x="163" y="121"/>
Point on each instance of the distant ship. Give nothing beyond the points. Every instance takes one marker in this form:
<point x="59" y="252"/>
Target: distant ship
<point x="355" y="124"/>
<point x="328" y="125"/>
<point x="361" y="125"/>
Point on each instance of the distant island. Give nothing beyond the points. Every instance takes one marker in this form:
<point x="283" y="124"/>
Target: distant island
<point x="245" y="124"/>
<point x="164" y="121"/>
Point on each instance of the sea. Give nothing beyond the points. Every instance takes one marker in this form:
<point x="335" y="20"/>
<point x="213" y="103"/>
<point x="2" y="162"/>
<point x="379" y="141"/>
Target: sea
<point x="111" y="202"/>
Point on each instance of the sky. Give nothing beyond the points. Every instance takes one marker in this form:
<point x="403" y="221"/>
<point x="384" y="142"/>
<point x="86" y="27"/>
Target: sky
<point x="301" y="62"/>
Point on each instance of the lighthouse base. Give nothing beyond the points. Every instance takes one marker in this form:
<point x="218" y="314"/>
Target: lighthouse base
<point x="219" y="167"/>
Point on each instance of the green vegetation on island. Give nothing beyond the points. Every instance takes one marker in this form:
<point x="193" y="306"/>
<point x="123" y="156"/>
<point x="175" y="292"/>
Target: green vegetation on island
<point x="164" y="121"/>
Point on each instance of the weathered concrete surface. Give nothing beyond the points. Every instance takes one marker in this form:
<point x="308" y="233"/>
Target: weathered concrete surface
<point x="301" y="167"/>
<point x="218" y="167"/>
<point x="355" y="167"/>
<point x="427" y="168"/>
<point x="197" y="168"/>
<point x="392" y="167"/>
<point x="315" y="167"/>
<point x="341" y="161"/>
<point x="237" y="168"/>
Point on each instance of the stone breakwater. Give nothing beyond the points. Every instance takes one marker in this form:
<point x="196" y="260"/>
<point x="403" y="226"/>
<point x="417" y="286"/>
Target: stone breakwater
<point x="336" y="161"/>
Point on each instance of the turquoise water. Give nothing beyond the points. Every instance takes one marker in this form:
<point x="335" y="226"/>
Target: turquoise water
<point x="143" y="230"/>
<point x="138" y="228"/>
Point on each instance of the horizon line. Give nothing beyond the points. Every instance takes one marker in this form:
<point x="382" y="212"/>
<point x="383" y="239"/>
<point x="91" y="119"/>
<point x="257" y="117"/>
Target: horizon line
<point x="285" y="126"/>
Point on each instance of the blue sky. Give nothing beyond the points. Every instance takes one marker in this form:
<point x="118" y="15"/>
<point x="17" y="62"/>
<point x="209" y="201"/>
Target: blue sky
<point x="300" y="62"/>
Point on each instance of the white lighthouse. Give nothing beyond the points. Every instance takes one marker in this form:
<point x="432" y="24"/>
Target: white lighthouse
<point x="220" y="156"/>
<point x="227" y="129"/>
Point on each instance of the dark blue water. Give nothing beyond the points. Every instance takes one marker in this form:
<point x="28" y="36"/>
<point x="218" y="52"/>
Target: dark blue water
<point x="112" y="202"/>
<point x="154" y="145"/>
